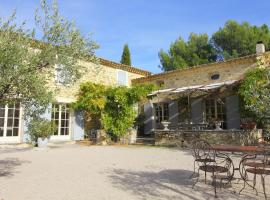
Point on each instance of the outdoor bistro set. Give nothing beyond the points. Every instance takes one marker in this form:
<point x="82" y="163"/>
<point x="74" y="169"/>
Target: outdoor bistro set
<point x="214" y="159"/>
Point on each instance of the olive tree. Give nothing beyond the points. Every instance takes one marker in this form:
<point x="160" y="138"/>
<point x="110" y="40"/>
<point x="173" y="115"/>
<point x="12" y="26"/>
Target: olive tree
<point x="26" y="64"/>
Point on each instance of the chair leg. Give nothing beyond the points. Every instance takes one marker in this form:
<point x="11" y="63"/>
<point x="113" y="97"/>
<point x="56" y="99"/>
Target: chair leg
<point x="263" y="184"/>
<point x="197" y="180"/>
<point x="254" y="183"/>
<point x="205" y="176"/>
<point x="193" y="170"/>
<point x="244" y="179"/>
<point x="214" y="184"/>
<point x="220" y="183"/>
<point x="243" y="187"/>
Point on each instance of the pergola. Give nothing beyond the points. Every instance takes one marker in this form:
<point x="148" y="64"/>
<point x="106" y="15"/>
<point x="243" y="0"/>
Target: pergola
<point x="190" y="92"/>
<point x="196" y="90"/>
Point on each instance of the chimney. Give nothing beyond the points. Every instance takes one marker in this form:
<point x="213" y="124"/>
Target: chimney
<point x="260" y="48"/>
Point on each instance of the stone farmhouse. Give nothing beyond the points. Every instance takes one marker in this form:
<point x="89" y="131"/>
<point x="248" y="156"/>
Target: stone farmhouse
<point x="13" y="127"/>
<point x="201" y="98"/>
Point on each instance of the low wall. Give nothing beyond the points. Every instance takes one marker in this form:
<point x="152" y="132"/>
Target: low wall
<point x="185" y="138"/>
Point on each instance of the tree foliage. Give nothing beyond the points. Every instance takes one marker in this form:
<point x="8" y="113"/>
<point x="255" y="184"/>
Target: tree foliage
<point x="255" y="91"/>
<point x="26" y="65"/>
<point x="231" y="41"/>
<point x="126" y="58"/>
<point x="115" y="105"/>
<point x="197" y="50"/>
<point x="41" y="128"/>
<point x="235" y="39"/>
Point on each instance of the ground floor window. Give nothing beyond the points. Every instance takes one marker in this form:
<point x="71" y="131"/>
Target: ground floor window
<point x="215" y="111"/>
<point x="9" y="120"/>
<point x="161" y="112"/>
<point x="61" y="118"/>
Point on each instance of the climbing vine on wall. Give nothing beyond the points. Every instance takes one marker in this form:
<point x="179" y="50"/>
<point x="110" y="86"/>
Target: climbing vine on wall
<point x="255" y="91"/>
<point x="114" y="105"/>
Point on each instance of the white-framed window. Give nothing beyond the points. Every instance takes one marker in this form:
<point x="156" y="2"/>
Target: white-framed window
<point x="62" y="76"/>
<point x="10" y="119"/>
<point x="161" y="112"/>
<point x="122" y="78"/>
<point x="61" y="119"/>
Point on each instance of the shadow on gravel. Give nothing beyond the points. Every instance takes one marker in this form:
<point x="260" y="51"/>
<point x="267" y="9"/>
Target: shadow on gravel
<point x="166" y="184"/>
<point x="8" y="166"/>
<point x="15" y="150"/>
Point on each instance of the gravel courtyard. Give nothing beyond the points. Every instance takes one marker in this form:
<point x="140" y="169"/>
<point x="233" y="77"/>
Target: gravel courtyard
<point x="73" y="172"/>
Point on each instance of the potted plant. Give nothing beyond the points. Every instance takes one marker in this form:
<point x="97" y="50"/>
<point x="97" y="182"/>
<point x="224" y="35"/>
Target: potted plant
<point x="40" y="130"/>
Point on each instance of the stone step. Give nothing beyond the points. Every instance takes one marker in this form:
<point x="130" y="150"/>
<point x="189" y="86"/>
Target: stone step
<point x="145" y="141"/>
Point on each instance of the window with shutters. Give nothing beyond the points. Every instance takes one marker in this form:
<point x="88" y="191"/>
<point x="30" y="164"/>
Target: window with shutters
<point x="122" y="78"/>
<point x="161" y="112"/>
<point x="215" y="110"/>
<point x="62" y="76"/>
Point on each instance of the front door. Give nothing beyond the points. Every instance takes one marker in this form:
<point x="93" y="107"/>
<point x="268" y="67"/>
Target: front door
<point x="61" y="118"/>
<point x="10" y="123"/>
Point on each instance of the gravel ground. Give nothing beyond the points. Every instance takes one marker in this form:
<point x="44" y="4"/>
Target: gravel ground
<point x="73" y="172"/>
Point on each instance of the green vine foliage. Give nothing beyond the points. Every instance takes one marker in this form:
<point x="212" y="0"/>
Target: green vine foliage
<point x="255" y="92"/>
<point x="91" y="98"/>
<point x="114" y="105"/>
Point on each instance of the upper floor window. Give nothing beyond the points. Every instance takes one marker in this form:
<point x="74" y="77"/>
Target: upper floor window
<point x="122" y="78"/>
<point x="62" y="76"/>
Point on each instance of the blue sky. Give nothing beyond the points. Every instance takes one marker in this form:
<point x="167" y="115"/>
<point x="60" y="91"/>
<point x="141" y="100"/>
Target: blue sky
<point x="146" y="25"/>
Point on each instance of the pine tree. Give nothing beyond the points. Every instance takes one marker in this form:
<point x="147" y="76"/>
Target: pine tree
<point x="125" y="59"/>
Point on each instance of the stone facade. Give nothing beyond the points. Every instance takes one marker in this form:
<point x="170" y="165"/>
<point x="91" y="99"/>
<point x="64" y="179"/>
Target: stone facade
<point x="231" y="70"/>
<point x="185" y="138"/>
<point x="201" y="75"/>
<point x="96" y="73"/>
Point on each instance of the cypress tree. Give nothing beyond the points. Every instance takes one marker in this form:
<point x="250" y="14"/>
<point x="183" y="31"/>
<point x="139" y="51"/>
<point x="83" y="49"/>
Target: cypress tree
<point x="125" y="59"/>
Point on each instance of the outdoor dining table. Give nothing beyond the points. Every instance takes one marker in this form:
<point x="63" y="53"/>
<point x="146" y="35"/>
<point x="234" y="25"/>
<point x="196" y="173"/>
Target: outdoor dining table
<point x="256" y="150"/>
<point x="236" y="148"/>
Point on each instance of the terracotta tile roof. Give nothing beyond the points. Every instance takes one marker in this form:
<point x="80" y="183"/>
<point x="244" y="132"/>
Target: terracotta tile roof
<point x="123" y="67"/>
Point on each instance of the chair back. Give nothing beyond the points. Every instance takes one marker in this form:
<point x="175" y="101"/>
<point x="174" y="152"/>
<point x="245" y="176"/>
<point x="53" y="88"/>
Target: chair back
<point x="201" y="149"/>
<point x="226" y="162"/>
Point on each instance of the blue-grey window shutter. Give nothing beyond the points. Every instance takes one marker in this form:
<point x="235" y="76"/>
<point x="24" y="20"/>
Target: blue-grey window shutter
<point x="232" y="111"/>
<point x="122" y="77"/>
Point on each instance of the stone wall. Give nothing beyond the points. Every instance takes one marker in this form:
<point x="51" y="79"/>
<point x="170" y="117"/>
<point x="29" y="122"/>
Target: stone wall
<point x="200" y="75"/>
<point x="185" y="138"/>
<point x="96" y="73"/>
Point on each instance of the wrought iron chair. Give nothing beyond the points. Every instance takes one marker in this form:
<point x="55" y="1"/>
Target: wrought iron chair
<point x="222" y="169"/>
<point x="203" y="154"/>
<point x="255" y="165"/>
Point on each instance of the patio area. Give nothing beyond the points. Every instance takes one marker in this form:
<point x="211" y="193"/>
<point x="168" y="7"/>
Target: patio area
<point x="73" y="172"/>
